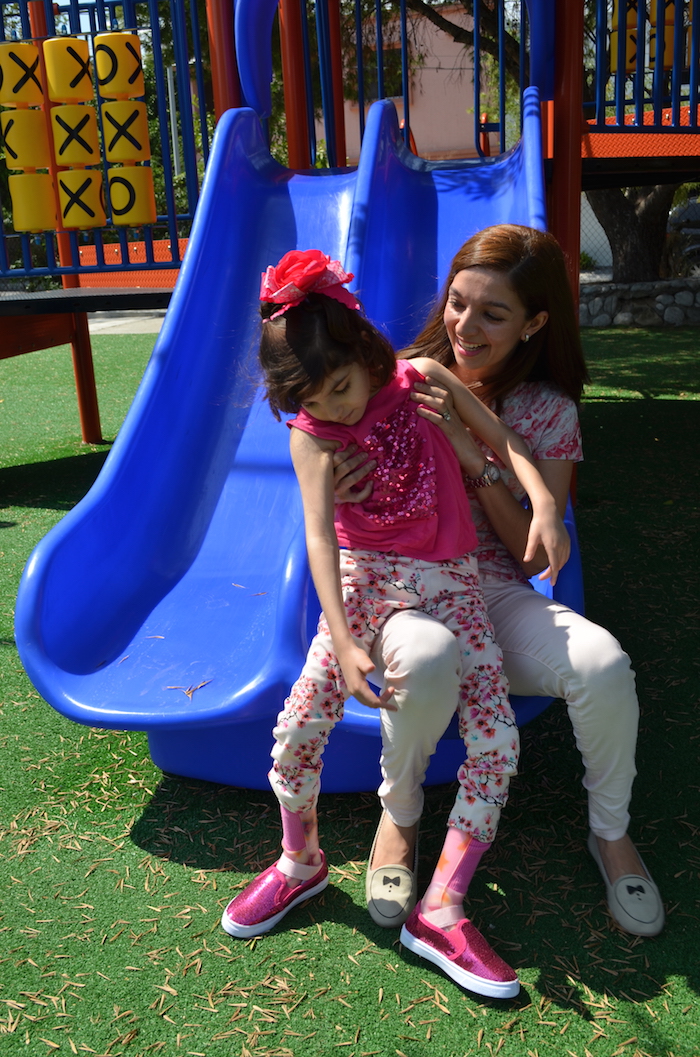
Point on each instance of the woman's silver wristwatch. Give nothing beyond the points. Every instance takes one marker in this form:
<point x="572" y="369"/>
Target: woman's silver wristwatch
<point x="488" y="476"/>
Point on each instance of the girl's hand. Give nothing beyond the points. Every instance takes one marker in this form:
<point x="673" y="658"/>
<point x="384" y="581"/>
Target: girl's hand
<point x="549" y="531"/>
<point x="349" y="467"/>
<point x="356" y="666"/>
<point x="436" y="403"/>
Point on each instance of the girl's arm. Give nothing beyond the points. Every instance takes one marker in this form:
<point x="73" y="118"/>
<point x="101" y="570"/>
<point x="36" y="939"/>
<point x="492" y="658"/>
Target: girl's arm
<point x="313" y="465"/>
<point x="545" y="526"/>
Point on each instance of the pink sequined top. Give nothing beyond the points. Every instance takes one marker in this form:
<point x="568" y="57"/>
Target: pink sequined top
<point x="418" y="506"/>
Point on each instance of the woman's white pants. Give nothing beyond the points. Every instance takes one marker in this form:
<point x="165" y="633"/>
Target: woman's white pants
<point x="548" y="651"/>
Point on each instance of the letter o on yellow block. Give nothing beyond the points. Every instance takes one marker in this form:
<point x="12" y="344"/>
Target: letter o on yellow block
<point x="68" y="70"/>
<point x="82" y="202"/>
<point x="118" y="64"/>
<point x="19" y="74"/>
<point x="75" y="140"/>
<point x="25" y="138"/>
<point x="131" y="195"/>
<point x="33" y="202"/>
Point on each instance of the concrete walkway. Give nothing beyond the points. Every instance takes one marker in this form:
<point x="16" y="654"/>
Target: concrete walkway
<point x="148" y="321"/>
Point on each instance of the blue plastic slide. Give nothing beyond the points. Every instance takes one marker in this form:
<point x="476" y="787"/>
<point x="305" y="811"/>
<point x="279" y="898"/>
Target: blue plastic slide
<point x="176" y="598"/>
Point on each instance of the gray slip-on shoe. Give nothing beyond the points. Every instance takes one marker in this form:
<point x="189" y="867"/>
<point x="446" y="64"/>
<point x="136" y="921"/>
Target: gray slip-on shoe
<point x="392" y="891"/>
<point x="634" y="901"/>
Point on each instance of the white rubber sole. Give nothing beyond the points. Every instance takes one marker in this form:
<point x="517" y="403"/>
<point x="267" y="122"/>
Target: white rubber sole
<point x="245" y="932"/>
<point x="469" y="981"/>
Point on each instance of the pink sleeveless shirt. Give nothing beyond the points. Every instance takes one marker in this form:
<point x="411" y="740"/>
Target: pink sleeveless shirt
<point x="418" y="506"/>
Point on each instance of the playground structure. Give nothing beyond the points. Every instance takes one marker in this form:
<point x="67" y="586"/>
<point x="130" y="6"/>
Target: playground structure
<point x="192" y="619"/>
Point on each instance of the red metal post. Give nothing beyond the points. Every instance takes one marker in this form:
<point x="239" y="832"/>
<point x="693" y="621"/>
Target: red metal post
<point x="291" y="41"/>
<point x="337" y="75"/>
<point x="565" y="188"/>
<point x="224" y="70"/>
<point x="484" y="142"/>
<point x="83" y="369"/>
<point x="86" y="389"/>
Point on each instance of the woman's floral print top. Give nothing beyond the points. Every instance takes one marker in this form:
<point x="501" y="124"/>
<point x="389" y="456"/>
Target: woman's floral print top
<point x="547" y="420"/>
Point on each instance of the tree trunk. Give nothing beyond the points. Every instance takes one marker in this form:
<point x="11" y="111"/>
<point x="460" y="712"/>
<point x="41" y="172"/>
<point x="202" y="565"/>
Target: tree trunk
<point x="635" y="221"/>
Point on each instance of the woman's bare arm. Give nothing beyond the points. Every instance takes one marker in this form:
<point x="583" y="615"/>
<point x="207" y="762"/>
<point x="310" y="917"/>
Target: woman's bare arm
<point x="546" y="527"/>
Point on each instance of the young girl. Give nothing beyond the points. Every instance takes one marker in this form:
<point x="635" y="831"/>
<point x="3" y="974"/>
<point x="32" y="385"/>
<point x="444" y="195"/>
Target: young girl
<point x="405" y="547"/>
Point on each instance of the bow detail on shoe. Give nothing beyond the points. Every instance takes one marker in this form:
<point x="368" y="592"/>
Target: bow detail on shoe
<point x="391" y="880"/>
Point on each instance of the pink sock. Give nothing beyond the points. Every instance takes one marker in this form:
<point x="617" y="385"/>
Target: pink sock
<point x="457" y="865"/>
<point x="293" y="837"/>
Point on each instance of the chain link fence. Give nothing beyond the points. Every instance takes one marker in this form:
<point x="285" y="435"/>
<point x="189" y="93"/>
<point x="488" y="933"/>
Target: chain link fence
<point x="596" y="255"/>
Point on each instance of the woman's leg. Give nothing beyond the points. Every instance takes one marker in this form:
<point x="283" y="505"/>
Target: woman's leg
<point x="552" y="651"/>
<point x="549" y="650"/>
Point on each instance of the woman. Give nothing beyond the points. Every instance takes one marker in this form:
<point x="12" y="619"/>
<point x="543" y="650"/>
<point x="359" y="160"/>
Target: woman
<point x="503" y="280"/>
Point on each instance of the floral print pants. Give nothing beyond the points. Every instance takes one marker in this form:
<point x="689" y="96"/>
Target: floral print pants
<point x="376" y="585"/>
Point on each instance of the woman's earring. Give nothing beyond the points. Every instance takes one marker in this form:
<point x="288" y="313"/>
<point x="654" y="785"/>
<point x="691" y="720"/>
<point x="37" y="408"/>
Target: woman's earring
<point x="526" y="338"/>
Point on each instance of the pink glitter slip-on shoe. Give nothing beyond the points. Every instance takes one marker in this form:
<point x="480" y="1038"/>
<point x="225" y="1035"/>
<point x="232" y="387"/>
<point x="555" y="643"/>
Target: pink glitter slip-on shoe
<point x="462" y="953"/>
<point x="267" y="899"/>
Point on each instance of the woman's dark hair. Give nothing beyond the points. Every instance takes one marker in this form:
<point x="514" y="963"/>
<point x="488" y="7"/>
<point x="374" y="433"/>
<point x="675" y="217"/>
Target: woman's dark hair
<point x="299" y="349"/>
<point x="534" y="265"/>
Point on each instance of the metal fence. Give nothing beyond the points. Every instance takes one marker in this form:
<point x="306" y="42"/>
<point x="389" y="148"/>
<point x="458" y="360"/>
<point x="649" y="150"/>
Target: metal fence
<point x="643" y="58"/>
<point x="180" y="124"/>
<point x="646" y="58"/>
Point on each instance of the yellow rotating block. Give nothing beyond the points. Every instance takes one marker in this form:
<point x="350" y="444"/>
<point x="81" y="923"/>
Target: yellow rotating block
<point x="82" y="202"/>
<point x="26" y="140"/>
<point x="19" y="74"/>
<point x="131" y="195"/>
<point x="75" y="140"/>
<point x="118" y="62"/>
<point x="669" y="39"/>
<point x="68" y="70"/>
<point x="630" y="51"/>
<point x="33" y="202"/>
<point x="125" y="126"/>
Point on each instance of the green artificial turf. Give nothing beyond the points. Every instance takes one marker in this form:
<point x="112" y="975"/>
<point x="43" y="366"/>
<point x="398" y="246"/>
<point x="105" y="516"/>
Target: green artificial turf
<point x="113" y="876"/>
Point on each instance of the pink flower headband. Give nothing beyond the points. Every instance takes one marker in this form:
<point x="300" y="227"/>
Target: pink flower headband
<point x="302" y="272"/>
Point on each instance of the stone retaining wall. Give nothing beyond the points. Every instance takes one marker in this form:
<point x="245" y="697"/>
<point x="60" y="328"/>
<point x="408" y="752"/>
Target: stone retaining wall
<point x="665" y="303"/>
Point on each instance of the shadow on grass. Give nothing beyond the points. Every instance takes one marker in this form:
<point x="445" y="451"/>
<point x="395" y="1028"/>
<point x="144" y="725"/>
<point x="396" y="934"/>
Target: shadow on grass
<point x="57" y="484"/>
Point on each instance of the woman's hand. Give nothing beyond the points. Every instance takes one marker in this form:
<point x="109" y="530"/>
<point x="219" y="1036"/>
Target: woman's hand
<point x="356" y="666"/>
<point x="438" y="407"/>
<point x="550" y="532"/>
<point x="350" y="466"/>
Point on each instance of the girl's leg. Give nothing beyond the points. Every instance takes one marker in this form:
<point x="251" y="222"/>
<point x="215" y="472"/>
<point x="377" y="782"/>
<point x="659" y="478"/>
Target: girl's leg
<point x="300" y="840"/>
<point x="311" y="710"/>
<point x="437" y="929"/>
<point x="460" y="856"/>
<point x="420" y="657"/>
<point x="486" y="720"/>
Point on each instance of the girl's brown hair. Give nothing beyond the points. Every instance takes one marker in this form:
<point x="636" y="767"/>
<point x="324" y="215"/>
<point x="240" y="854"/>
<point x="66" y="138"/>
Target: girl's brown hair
<point x="533" y="263"/>
<point x="299" y="349"/>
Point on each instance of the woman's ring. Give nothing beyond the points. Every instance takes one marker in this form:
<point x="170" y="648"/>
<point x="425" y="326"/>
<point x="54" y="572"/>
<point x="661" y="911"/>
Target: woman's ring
<point x="446" y="416"/>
